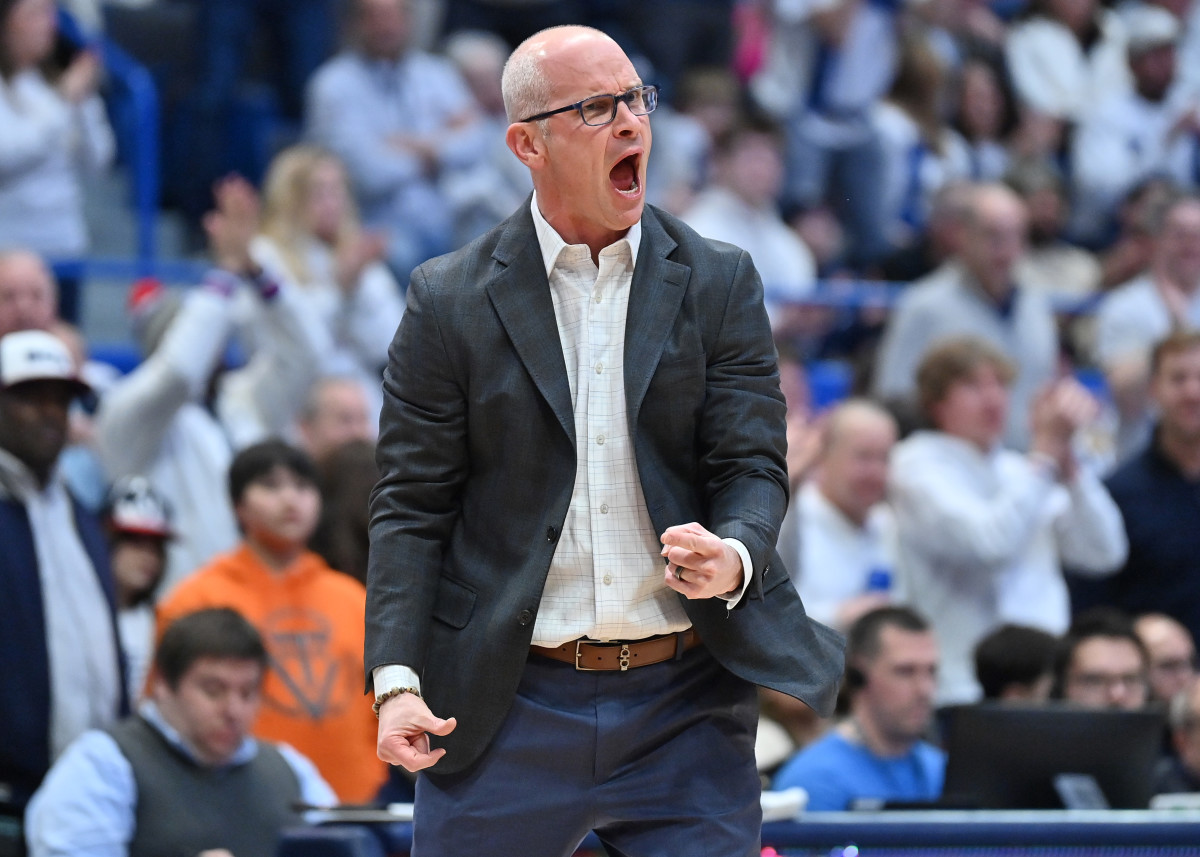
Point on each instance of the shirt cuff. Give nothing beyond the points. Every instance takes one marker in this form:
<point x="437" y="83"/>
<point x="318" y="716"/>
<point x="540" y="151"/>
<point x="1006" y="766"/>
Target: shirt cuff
<point x="394" y="675"/>
<point x="734" y="599"/>
<point x="220" y="282"/>
<point x="1045" y="466"/>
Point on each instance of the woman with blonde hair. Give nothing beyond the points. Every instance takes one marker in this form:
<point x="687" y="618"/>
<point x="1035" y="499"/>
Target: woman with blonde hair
<point x="311" y="237"/>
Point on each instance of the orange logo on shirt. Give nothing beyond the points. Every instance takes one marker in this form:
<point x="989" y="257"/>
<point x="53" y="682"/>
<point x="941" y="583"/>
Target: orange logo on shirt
<point x="306" y="670"/>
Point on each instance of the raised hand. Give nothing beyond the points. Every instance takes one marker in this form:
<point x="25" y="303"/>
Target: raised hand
<point x="354" y="255"/>
<point x="81" y="79"/>
<point x="232" y="224"/>
<point x="700" y="564"/>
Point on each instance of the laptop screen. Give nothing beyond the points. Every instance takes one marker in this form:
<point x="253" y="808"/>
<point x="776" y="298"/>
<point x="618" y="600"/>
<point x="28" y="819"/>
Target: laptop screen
<point x="1001" y="756"/>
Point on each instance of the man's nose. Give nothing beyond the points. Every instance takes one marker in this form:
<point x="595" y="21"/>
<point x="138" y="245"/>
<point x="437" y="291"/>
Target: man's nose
<point x="239" y="709"/>
<point x="53" y="408"/>
<point x="625" y="121"/>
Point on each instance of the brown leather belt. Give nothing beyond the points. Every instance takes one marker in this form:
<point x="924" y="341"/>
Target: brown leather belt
<point x="589" y="656"/>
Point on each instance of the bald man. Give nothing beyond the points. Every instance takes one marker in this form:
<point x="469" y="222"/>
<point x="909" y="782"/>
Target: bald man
<point x="572" y="586"/>
<point x="1172" y="654"/>
<point x="977" y="293"/>
<point x="837" y="537"/>
<point x="28" y="295"/>
<point x="335" y="413"/>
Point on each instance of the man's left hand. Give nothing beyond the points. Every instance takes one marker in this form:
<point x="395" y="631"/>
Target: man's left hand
<point x="700" y="564"/>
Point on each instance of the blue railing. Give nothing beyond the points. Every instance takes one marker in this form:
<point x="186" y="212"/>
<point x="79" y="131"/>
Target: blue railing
<point x="134" y="110"/>
<point x="178" y="271"/>
<point x="829" y="380"/>
<point x="137" y="118"/>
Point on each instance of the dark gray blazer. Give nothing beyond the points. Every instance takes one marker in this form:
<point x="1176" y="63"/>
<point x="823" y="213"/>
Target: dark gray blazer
<point x="477" y="461"/>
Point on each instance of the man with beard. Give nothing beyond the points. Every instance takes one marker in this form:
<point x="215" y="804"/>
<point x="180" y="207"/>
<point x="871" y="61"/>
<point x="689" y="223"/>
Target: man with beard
<point x="1158" y="493"/>
<point x="60" y="661"/>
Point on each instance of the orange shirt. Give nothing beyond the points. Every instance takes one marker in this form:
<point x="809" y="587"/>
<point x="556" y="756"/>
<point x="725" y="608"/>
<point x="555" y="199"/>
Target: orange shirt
<point x="311" y="619"/>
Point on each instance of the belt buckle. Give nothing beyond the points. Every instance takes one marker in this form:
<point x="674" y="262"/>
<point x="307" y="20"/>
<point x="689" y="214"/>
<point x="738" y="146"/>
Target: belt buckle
<point x="622" y="658"/>
<point x="578" y="654"/>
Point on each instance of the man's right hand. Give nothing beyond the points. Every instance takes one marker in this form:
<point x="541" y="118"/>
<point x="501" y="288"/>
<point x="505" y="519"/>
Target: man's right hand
<point x="1058" y="412"/>
<point x="405" y="724"/>
<point x="232" y="224"/>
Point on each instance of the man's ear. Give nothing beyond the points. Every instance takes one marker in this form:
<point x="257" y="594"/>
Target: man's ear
<point x="156" y="687"/>
<point x="527" y="143"/>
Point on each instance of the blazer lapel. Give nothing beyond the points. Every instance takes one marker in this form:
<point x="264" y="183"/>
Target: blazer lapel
<point x="520" y="294"/>
<point x="654" y="300"/>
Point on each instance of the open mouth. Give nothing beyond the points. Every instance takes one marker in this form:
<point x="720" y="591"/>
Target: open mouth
<point x="624" y="176"/>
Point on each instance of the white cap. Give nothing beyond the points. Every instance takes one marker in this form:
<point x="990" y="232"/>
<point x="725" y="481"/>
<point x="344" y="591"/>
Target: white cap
<point x="35" y="355"/>
<point x="1148" y="27"/>
<point x="134" y="507"/>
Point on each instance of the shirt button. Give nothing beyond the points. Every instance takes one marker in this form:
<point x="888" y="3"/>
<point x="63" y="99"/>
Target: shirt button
<point x="599" y="368"/>
<point x="596" y="297"/>
<point x="600" y="440"/>
<point x="608" y="580"/>
<point x="603" y="508"/>
<point x="551" y="534"/>
<point x="525" y="617"/>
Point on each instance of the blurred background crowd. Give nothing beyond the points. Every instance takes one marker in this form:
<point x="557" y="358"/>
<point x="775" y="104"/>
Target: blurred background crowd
<point x="978" y="232"/>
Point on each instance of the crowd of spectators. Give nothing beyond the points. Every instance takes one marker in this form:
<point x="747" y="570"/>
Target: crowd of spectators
<point x="1023" y="173"/>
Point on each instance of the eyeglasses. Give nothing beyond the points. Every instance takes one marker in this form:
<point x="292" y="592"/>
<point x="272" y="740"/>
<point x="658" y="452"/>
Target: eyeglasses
<point x="1175" y="665"/>
<point x="1106" y="681"/>
<point x="602" y="109"/>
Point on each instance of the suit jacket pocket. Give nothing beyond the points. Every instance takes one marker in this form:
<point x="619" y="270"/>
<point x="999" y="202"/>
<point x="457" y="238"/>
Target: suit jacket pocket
<point x="454" y="604"/>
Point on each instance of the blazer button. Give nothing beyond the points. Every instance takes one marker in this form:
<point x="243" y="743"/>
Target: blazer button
<point x="525" y="617"/>
<point x="551" y="534"/>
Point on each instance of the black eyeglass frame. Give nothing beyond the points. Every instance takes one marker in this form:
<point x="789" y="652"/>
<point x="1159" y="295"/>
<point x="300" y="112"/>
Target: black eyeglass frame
<point x="629" y="96"/>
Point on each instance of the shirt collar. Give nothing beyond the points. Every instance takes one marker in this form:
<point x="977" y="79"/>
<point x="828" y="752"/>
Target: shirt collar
<point x="1004" y="307"/>
<point x="18" y="481"/>
<point x="552" y="244"/>
<point x="827" y="510"/>
<point x="151" y="714"/>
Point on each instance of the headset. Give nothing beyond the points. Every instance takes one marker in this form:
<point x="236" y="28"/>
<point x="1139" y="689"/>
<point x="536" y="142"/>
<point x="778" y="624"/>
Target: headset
<point x="856" y="679"/>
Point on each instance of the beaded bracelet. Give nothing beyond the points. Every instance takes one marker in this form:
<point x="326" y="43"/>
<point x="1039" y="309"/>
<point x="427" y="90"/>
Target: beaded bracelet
<point x="395" y="691"/>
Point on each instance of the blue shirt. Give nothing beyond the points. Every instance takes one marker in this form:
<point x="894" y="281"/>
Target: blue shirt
<point x="836" y="772"/>
<point x="86" y="805"/>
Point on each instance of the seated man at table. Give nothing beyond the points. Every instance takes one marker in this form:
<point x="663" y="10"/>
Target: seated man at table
<point x="877" y="754"/>
<point x="1101" y="662"/>
<point x="183" y="775"/>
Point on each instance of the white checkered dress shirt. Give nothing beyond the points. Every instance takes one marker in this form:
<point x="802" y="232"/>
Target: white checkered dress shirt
<point x="605" y="580"/>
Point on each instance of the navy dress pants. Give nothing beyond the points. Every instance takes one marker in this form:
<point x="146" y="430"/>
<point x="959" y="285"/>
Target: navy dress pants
<point x="657" y="760"/>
